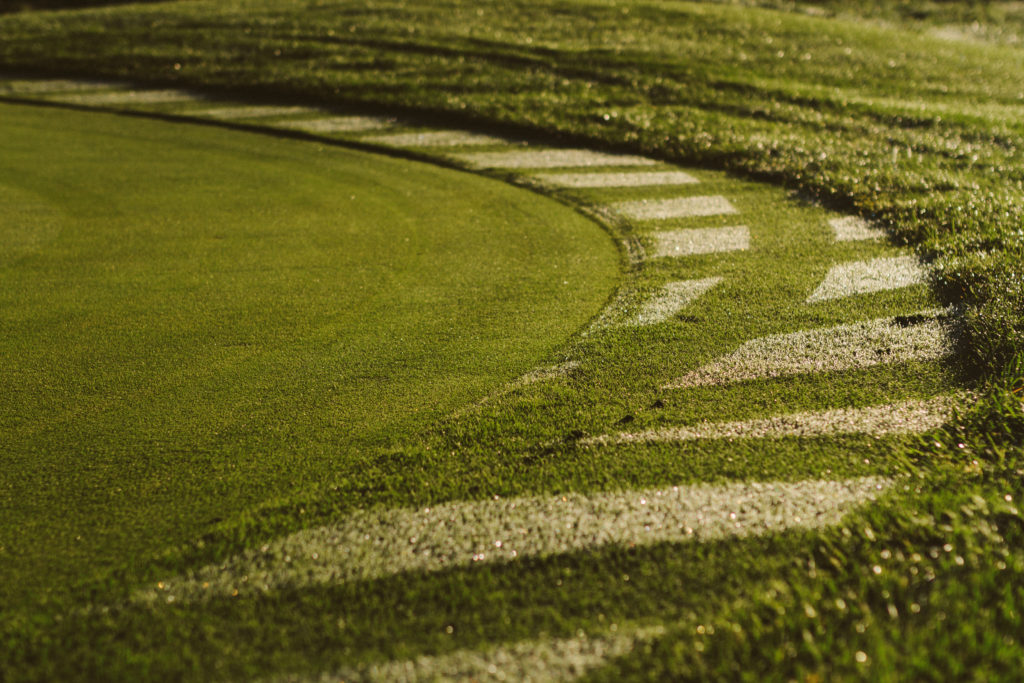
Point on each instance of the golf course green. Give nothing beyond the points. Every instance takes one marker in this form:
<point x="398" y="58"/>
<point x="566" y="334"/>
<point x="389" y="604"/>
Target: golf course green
<point x="197" y="320"/>
<point x="605" y="340"/>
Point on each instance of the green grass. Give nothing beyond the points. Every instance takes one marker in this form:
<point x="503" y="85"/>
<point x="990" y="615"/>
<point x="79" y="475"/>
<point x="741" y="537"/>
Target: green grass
<point x="200" y="319"/>
<point x="884" y="119"/>
<point x="919" y="131"/>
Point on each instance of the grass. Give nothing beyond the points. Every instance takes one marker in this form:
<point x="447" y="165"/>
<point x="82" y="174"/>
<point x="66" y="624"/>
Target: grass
<point x="249" y="316"/>
<point x="887" y="120"/>
<point x="918" y="131"/>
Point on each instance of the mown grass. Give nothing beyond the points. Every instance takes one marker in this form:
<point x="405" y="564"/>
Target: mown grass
<point x="920" y="132"/>
<point x="889" y="121"/>
<point x="193" y="327"/>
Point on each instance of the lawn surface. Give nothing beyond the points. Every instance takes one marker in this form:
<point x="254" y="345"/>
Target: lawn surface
<point x="866" y="109"/>
<point x="250" y="316"/>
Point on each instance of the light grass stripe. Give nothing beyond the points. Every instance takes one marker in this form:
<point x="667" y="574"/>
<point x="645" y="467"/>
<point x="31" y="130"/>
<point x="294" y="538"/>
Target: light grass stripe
<point x="542" y="374"/>
<point x="132" y="97"/>
<point x="376" y="543"/>
<point x="635" y="179"/>
<point x="672" y="298"/>
<point x="337" y="124"/>
<point x="254" y="112"/>
<point x="844" y="347"/>
<point x="907" y="417"/>
<point x="436" y="138"/>
<point x="547" y="373"/>
<point x="852" y="228"/>
<point x="677" y="207"/>
<point x="864" y="277"/>
<point x="546" y="659"/>
<point x="55" y="86"/>
<point x="551" y="158"/>
<point x="671" y="243"/>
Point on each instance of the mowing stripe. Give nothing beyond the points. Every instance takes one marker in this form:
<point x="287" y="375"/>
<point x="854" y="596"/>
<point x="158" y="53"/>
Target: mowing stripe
<point x="636" y="179"/>
<point x="536" y="660"/>
<point x="544" y="374"/>
<point x="437" y="138"/>
<point x="669" y="243"/>
<point x="678" y="207"/>
<point x="547" y="373"/>
<point x="377" y="543"/>
<point x="337" y="124"/>
<point x="551" y="158"/>
<point x="844" y="347"/>
<point x="56" y="86"/>
<point x="908" y="417"/>
<point x="862" y="277"/>
<point x="850" y="228"/>
<point x="673" y="297"/>
<point x="132" y="97"/>
<point x="254" y="112"/>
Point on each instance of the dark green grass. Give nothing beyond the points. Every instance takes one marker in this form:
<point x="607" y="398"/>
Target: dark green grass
<point x="196" y="320"/>
<point x="36" y="5"/>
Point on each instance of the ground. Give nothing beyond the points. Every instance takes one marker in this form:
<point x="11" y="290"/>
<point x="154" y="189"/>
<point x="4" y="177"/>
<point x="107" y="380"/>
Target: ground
<point x="758" y="418"/>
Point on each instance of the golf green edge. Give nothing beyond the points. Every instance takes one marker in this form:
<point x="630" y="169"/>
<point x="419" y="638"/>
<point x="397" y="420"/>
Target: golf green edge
<point x="250" y="316"/>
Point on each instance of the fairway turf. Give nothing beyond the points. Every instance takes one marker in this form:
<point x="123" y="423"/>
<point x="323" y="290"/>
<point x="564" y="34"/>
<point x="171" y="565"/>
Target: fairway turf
<point x="819" y="355"/>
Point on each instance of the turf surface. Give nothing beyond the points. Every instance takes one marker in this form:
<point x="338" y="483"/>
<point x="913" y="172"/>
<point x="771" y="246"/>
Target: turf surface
<point x="895" y="122"/>
<point x="198" y="320"/>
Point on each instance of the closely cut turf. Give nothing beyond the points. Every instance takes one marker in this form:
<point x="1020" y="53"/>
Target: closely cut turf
<point x="196" y="320"/>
